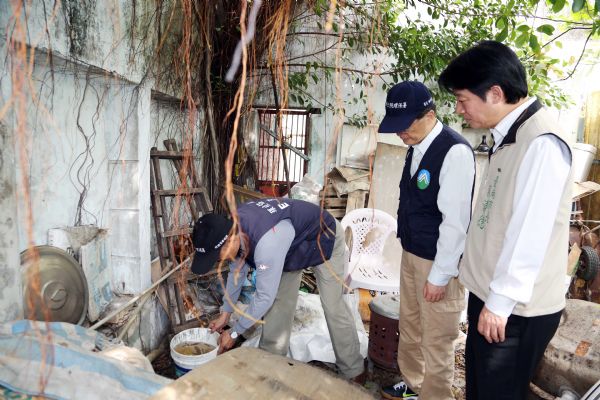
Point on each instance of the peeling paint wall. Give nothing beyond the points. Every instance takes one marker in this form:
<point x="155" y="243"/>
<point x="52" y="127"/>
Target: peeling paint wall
<point x="88" y="144"/>
<point x="89" y="31"/>
<point x="87" y="150"/>
<point x="11" y="306"/>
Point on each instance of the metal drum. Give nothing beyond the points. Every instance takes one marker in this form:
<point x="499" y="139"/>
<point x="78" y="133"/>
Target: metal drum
<point x="54" y="286"/>
<point x="383" y="331"/>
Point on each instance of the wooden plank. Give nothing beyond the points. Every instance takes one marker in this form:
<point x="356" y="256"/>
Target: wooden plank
<point x="337" y="213"/>
<point x="591" y="204"/>
<point x="166" y="155"/>
<point x="187" y="275"/>
<point x="177" y="232"/>
<point x="188" y="177"/>
<point x="335" y="203"/>
<point x="178" y="192"/>
<point x="329" y="191"/>
<point x="251" y="194"/>
<point x="194" y="323"/>
<point x="356" y="200"/>
<point x="248" y="374"/>
<point x="591" y="130"/>
<point x="583" y="189"/>
<point x="166" y="223"/>
<point x="157" y="218"/>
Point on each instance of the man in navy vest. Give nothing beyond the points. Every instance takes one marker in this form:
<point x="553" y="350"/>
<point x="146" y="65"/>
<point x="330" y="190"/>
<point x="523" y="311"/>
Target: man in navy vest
<point x="435" y="209"/>
<point x="279" y="238"/>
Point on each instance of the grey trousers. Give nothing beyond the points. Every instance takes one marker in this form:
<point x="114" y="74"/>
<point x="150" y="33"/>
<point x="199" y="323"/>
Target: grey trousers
<point x="340" y="323"/>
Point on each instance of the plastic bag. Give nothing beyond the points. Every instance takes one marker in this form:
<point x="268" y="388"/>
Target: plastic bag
<point x="307" y="189"/>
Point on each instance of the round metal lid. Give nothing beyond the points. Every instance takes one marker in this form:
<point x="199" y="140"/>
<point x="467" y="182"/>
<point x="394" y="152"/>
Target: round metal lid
<point x="55" y="288"/>
<point x="387" y="305"/>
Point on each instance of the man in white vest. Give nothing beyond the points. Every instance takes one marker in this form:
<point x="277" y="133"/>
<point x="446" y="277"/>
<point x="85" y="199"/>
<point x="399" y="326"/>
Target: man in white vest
<point x="515" y="258"/>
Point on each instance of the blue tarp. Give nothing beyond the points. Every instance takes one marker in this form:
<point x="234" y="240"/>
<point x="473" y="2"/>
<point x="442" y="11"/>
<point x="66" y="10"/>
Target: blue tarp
<point x="59" y="361"/>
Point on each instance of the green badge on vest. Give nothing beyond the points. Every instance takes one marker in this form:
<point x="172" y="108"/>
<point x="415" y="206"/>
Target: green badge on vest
<point x="423" y="179"/>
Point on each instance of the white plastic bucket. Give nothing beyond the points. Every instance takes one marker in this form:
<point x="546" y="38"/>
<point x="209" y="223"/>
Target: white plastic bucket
<point x="583" y="157"/>
<point x="184" y="363"/>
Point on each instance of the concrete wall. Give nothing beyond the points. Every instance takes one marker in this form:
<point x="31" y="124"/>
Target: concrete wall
<point x="11" y="306"/>
<point x="90" y="123"/>
<point x="328" y="130"/>
<point x="327" y="133"/>
<point x="86" y="160"/>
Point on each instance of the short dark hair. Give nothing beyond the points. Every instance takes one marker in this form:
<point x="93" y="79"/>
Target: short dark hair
<point x="426" y="110"/>
<point x="484" y="65"/>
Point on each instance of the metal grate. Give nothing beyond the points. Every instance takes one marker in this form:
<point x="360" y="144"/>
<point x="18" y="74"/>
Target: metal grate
<point x="295" y="127"/>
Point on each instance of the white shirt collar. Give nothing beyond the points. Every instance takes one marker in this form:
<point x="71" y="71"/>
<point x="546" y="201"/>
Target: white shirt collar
<point x="426" y="142"/>
<point x="501" y="129"/>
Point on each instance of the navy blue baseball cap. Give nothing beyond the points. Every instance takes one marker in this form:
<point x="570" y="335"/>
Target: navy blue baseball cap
<point x="210" y="234"/>
<point x="405" y="101"/>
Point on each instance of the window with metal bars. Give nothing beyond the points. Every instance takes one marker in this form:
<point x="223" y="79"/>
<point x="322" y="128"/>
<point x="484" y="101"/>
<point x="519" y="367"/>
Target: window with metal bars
<point x="295" y="126"/>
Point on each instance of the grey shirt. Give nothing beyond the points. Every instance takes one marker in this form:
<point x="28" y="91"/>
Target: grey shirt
<point x="269" y="258"/>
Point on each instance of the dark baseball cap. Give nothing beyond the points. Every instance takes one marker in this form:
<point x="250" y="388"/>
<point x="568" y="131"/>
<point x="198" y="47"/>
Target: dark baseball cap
<point x="210" y="234"/>
<point x="405" y="101"/>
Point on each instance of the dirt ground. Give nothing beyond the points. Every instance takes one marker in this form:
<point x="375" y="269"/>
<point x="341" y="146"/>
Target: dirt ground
<point x="379" y="377"/>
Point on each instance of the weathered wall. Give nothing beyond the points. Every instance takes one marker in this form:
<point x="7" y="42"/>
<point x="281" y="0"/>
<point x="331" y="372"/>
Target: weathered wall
<point x="147" y="331"/>
<point x="92" y="32"/>
<point x="327" y="129"/>
<point x="86" y="159"/>
<point x="11" y="306"/>
<point x="90" y="124"/>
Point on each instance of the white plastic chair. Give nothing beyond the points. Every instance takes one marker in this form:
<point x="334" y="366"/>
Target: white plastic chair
<point x="367" y="267"/>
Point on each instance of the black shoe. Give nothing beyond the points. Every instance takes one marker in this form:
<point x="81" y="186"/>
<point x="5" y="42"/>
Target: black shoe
<point x="399" y="391"/>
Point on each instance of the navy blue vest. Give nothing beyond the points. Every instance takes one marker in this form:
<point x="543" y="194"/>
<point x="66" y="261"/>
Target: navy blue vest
<point x="315" y="229"/>
<point x="419" y="217"/>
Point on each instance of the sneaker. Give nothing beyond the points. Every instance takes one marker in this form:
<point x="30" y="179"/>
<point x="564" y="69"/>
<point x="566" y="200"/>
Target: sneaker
<point x="399" y="391"/>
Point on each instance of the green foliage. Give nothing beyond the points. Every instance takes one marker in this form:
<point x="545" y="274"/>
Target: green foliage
<point x="421" y="37"/>
<point x="578" y="5"/>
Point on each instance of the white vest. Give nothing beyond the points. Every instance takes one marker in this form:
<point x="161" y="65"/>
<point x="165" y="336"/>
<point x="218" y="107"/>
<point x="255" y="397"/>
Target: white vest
<point x="492" y="214"/>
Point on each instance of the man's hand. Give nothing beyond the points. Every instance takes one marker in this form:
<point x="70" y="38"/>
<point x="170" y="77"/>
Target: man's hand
<point x="433" y="293"/>
<point x="217" y="324"/>
<point x="491" y="326"/>
<point x="225" y="342"/>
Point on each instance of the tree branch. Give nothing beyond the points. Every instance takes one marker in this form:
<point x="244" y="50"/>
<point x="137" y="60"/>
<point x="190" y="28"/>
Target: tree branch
<point x="313" y="54"/>
<point x="357" y="71"/>
<point x="472" y="15"/>
<point x="580" y="57"/>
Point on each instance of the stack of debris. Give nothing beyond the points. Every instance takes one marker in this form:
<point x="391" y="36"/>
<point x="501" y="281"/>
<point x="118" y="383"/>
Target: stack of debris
<point x="347" y="189"/>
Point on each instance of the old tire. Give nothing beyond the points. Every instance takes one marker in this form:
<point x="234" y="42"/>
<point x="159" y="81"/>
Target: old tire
<point x="589" y="264"/>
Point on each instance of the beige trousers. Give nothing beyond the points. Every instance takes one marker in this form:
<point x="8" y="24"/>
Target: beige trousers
<point x="427" y="331"/>
<point x="340" y="322"/>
